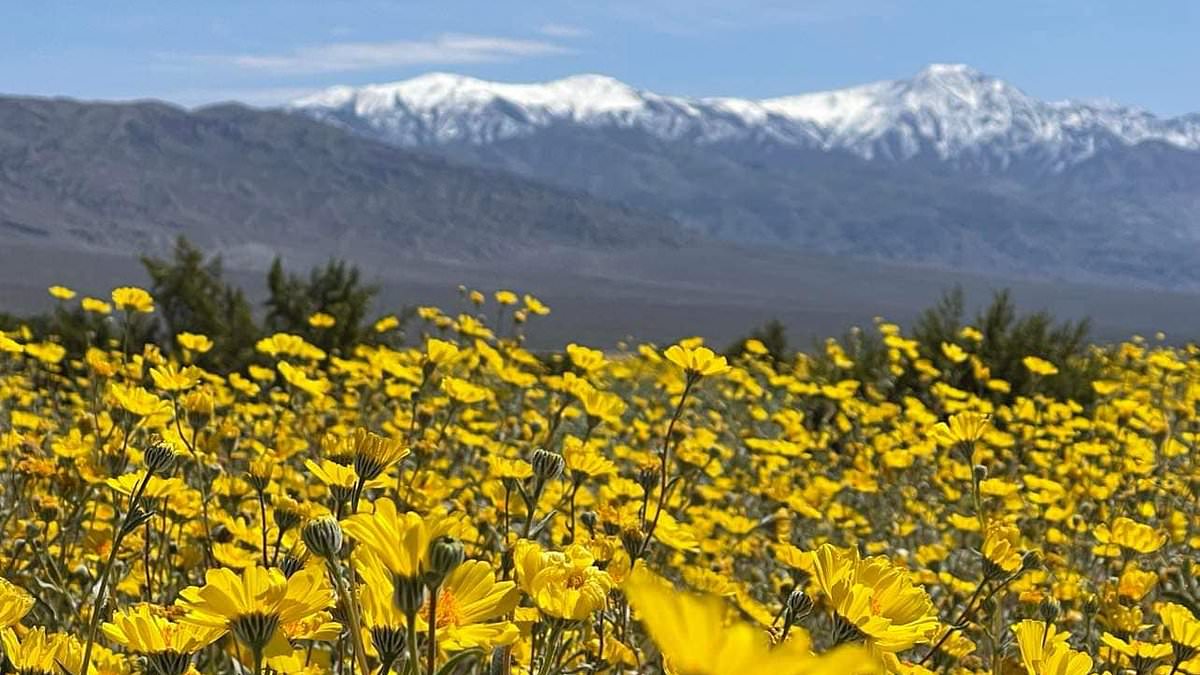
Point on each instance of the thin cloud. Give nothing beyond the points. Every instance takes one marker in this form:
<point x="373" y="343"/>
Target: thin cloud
<point x="562" y="30"/>
<point x="691" y="17"/>
<point x="341" y="57"/>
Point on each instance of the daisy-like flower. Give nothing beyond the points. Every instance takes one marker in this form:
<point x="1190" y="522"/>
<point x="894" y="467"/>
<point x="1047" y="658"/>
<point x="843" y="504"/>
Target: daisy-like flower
<point x="962" y="429"/>
<point x="400" y="541"/>
<point x="1128" y="534"/>
<point x="194" y="342"/>
<point x="133" y="299"/>
<point x="696" y="362"/>
<point x="61" y="292"/>
<point x="15" y="603"/>
<point x="1036" y="640"/>
<point x="168" y="646"/>
<point x="95" y="306"/>
<point x="1141" y="656"/>
<point x="1183" y="629"/>
<point x="340" y="479"/>
<point x="316" y="387"/>
<point x="601" y="406"/>
<point x="874" y="600"/>
<point x="696" y="639"/>
<point x="322" y="320"/>
<point x="374" y="454"/>
<point x="565" y="585"/>
<point x="470" y="609"/>
<point x="1039" y="366"/>
<point x="1001" y="550"/>
<point x="39" y="652"/>
<point x="256" y="605"/>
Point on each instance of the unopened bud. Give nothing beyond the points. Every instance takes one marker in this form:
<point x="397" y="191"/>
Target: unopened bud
<point x="589" y="519"/>
<point x="547" y="465"/>
<point x="648" y="477"/>
<point x="323" y="536"/>
<point x="445" y="555"/>
<point x="160" y="457"/>
<point x="631" y="539"/>
<point x="1049" y="609"/>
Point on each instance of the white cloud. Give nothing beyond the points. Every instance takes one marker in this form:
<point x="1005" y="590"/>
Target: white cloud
<point x="562" y="30"/>
<point x="690" y="17"/>
<point x="340" y="57"/>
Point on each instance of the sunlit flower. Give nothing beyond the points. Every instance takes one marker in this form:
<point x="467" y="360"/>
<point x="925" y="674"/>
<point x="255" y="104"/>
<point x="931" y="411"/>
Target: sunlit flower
<point x="132" y="299"/>
<point x="875" y="600"/>
<point x="256" y="605"/>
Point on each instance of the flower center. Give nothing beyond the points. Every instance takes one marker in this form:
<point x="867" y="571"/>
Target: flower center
<point x="576" y="579"/>
<point x="448" y="611"/>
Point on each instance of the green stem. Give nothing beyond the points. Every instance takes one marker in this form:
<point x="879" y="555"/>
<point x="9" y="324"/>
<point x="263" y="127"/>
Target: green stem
<point x="413" y="653"/>
<point x="348" y="601"/>
<point x="262" y="510"/>
<point x="666" y="457"/>
<point x="431" y="648"/>
<point x="102" y="591"/>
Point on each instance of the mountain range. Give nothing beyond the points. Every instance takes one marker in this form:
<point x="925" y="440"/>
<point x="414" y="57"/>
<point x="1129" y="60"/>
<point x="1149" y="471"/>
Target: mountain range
<point x="632" y="213"/>
<point x="950" y="168"/>
<point x="250" y="183"/>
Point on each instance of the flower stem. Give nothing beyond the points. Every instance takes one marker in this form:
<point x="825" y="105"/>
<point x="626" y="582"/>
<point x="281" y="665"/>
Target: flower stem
<point x="262" y="510"/>
<point x="666" y="458"/>
<point x="348" y="601"/>
<point x="431" y="647"/>
<point x="102" y="591"/>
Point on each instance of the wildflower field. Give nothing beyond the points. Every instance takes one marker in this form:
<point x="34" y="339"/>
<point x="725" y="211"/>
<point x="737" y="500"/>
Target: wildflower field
<point x="455" y="503"/>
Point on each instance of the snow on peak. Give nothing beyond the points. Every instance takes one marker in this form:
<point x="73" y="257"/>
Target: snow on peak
<point x="949" y="110"/>
<point x="575" y="96"/>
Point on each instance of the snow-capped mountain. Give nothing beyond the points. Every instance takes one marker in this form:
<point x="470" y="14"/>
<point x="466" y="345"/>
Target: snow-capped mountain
<point x="950" y="167"/>
<point x="947" y="112"/>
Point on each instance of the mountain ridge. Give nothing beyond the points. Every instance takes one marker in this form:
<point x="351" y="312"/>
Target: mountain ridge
<point x="951" y="168"/>
<point x="133" y="176"/>
<point x="950" y="108"/>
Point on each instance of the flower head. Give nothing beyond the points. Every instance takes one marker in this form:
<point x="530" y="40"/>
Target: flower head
<point x="257" y="604"/>
<point x="133" y="299"/>
<point x="876" y="598"/>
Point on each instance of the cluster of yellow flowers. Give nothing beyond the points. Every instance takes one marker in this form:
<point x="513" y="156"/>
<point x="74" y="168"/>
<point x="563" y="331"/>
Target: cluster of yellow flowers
<point x="467" y="506"/>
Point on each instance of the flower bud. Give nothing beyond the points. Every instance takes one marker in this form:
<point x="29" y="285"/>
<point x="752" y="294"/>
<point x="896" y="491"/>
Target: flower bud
<point x="445" y="555"/>
<point x="589" y="519"/>
<point x="547" y="465"/>
<point x="979" y="472"/>
<point x="1049" y="609"/>
<point x="648" y="477"/>
<point x="160" y="457"/>
<point x="1030" y="561"/>
<point x="323" y="536"/>
<point x="631" y="539"/>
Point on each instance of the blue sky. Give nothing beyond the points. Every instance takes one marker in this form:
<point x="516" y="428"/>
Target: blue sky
<point x="268" y="51"/>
